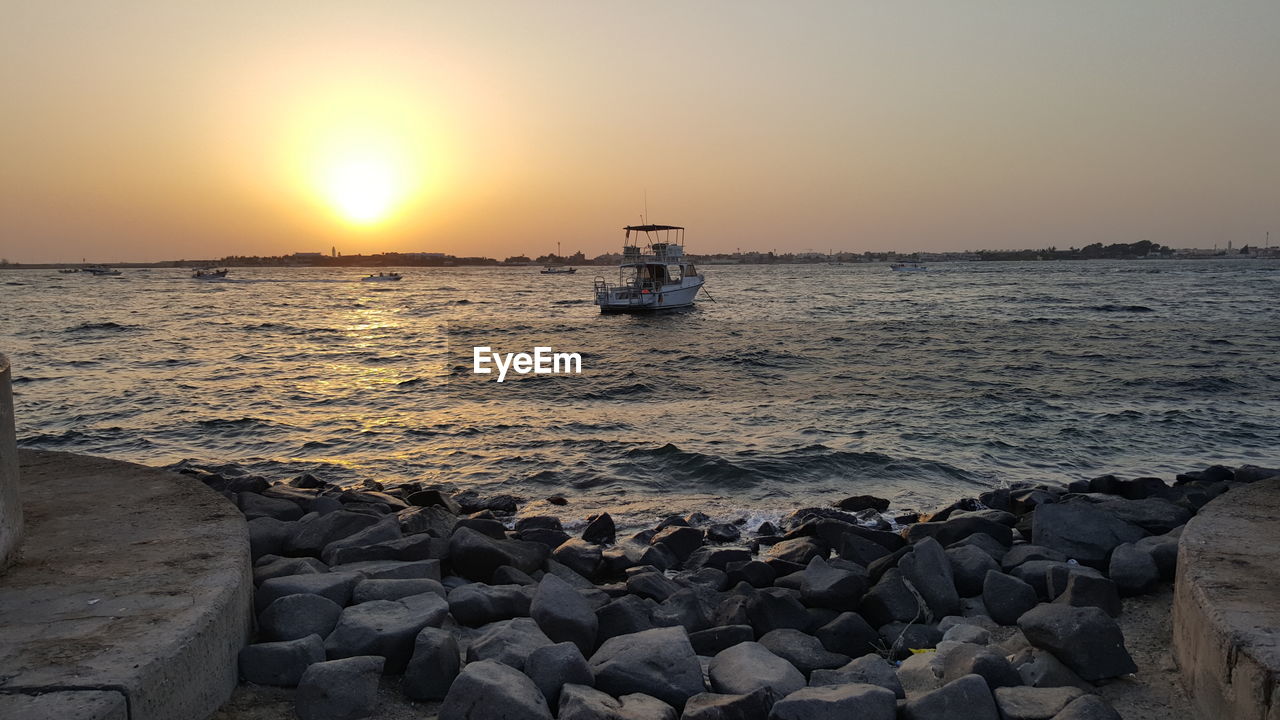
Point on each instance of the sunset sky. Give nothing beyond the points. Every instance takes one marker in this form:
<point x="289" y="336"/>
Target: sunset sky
<point x="149" y="131"/>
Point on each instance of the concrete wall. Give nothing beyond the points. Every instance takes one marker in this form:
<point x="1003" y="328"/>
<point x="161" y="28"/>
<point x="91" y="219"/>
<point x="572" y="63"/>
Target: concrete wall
<point x="10" y="505"/>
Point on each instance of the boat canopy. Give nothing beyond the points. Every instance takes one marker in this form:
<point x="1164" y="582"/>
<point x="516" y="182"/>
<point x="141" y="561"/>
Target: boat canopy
<point x="651" y="228"/>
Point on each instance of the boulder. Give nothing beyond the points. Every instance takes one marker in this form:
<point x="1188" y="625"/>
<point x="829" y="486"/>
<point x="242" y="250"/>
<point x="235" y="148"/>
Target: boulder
<point x="1085" y="639"/>
<point x="723" y="533"/>
<point x="476" y="604"/>
<point x="969" y="567"/>
<point x="487" y="689"/>
<point x="1006" y="597"/>
<point x="717" y="557"/>
<point x="773" y="608"/>
<point x="276" y="566"/>
<point x="890" y="600"/>
<point x="658" y="662"/>
<point x="798" y="550"/>
<point x="563" y="614"/>
<point x="1133" y="570"/>
<point x="280" y="663"/>
<point x="1163" y="550"/>
<point x="860" y="550"/>
<point x="1030" y="703"/>
<point x="966" y="698"/>
<point x="652" y="584"/>
<point x="344" y="689"/>
<point x="712" y="640"/>
<point x="434" y="498"/>
<point x="956" y="529"/>
<point x="1089" y="591"/>
<point x="753" y="572"/>
<point x="579" y="555"/>
<point x="848" y="634"/>
<point x="750" y="666"/>
<point x="754" y="705"/>
<point x="434" y="521"/>
<point x="969" y="659"/>
<point x="384" y="530"/>
<point x="681" y="541"/>
<point x="600" y="530"/>
<point x="1027" y="552"/>
<point x="825" y="586"/>
<point x="386" y="628"/>
<point x="485" y="526"/>
<point x="868" y="669"/>
<point x="579" y="702"/>
<point x="928" y="569"/>
<point x="962" y="633"/>
<point x="509" y="642"/>
<point x="1082" y="531"/>
<point x="435" y="664"/>
<point x="552" y="667"/>
<point x="296" y="616"/>
<point x="1088" y="707"/>
<point x="392" y="569"/>
<point x="804" y="652"/>
<point x="682" y="608"/>
<point x="985" y="543"/>
<point x="475" y="556"/>
<point x="902" y="638"/>
<point x="312" y="536"/>
<point x="1039" y="668"/>
<point x="854" y="503"/>
<point x="624" y="616"/>
<point x="394" y="589"/>
<point x="334" y="586"/>
<point x="837" y="702"/>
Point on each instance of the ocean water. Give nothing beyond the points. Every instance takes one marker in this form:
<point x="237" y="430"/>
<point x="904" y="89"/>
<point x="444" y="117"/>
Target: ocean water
<point x="797" y="385"/>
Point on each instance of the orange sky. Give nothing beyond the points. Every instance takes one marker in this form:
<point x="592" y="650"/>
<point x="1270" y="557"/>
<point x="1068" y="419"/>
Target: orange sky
<point x="151" y="131"/>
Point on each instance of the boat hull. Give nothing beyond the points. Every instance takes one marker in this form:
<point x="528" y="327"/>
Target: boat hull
<point x="627" y="299"/>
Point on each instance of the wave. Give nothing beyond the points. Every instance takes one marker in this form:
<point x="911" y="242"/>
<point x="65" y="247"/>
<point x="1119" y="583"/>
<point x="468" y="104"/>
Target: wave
<point x="1121" y="308"/>
<point x="97" y="326"/>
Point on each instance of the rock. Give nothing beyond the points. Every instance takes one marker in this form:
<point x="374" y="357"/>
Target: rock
<point x="624" y="616"/>
<point x="475" y="556"/>
<point x="563" y="614"/>
<point x="836" y="702"/>
<point x="968" y="659"/>
<point x="344" y="689"/>
<point x="682" y="608"/>
<point x="579" y="555"/>
<point x="509" y="642"/>
<point x="658" y="662"/>
<point x="680" y="541"/>
<point x="651" y="584"/>
<point x="394" y="589"/>
<point x="385" y="529"/>
<point x="890" y="600"/>
<point x="1133" y="571"/>
<point x="825" y="586"/>
<point x="1085" y="639"/>
<point x="1082" y="531"/>
<point x="1163" y="550"/>
<point x="435" y="664"/>
<point x="858" y="549"/>
<point x="749" y="666"/>
<point x="1253" y="473"/>
<point x="902" y="638"/>
<point x="296" y="616"/>
<point x="486" y="689"/>
<point x="804" y="652"/>
<point x="600" y="530"/>
<point x="334" y="586"/>
<point x="1029" y="703"/>
<point x="921" y="673"/>
<point x="971" y="634"/>
<point x="1155" y="515"/>
<point x="507" y="575"/>
<point x="868" y="669"/>
<point x="392" y="569"/>
<point x="280" y="663"/>
<point x="386" y="628"/>
<point x="1026" y="552"/>
<point x="273" y="566"/>
<point x="1089" y="591"/>
<point x="855" y="503"/>
<point x="711" y="578"/>
<point x="253" y="505"/>
<point x="471" y="502"/>
<point x="579" y="702"/>
<point x="478" y="604"/>
<point x="555" y="666"/>
<point x="716" y="557"/>
<point x="969" y="567"/>
<point x="434" y="498"/>
<point x="314" y="535"/>
<point x="1037" y="574"/>
<point x="773" y="608"/>
<point x="966" y="698"/>
<point x="754" y="705"/>
<point x="798" y="550"/>
<point x="434" y="521"/>
<point x="1088" y="707"/>
<point x="985" y="543"/>
<point x="1039" y="668"/>
<point x="848" y="634"/>
<point x="1006" y="597"/>
<point x="957" y="529"/>
<point x="269" y="536"/>
<point x="724" y="533"/>
<point x="712" y="640"/>
<point x="927" y="568"/>
<point x="752" y="572"/>
<point x="484" y="526"/>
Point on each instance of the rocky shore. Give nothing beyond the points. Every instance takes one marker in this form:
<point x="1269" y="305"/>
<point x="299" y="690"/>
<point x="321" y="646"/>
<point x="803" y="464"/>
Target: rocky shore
<point x="1002" y="606"/>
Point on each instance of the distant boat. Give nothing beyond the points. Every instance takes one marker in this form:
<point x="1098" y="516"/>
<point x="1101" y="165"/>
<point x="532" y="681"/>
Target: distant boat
<point x="68" y="271"/>
<point x="657" y="278"/>
<point x="101" y="271"/>
<point x="209" y="274"/>
<point x="908" y="267"/>
<point x="554" y="270"/>
<point x="382" y="277"/>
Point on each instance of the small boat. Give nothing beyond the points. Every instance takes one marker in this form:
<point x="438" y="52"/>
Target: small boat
<point x="209" y="274"/>
<point x="554" y="270"/>
<point x="655" y="277"/>
<point x="382" y="277"/>
<point x="68" y="271"/>
<point x="907" y="267"/>
<point x="101" y="271"/>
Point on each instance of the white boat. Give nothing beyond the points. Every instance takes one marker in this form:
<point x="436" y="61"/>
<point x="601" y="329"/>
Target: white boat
<point x="554" y="270"/>
<point x="382" y="277"/>
<point x="101" y="271"/>
<point x="209" y="274"/>
<point x="907" y="267"/>
<point x="655" y="277"/>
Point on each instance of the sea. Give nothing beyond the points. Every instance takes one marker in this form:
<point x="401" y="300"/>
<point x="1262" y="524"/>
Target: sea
<point x="786" y="386"/>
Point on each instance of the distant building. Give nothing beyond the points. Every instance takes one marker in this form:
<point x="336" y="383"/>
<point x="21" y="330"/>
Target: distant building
<point x="308" y="255"/>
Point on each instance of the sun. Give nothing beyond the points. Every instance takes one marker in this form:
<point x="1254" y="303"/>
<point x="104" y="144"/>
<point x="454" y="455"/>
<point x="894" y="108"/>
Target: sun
<point x="363" y="187"/>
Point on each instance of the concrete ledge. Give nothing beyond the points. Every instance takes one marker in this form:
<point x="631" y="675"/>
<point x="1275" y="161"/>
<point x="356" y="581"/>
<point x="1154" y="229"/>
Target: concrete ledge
<point x="1226" y="607"/>
<point x="66" y="705"/>
<point x="10" y="504"/>
<point x="132" y="582"/>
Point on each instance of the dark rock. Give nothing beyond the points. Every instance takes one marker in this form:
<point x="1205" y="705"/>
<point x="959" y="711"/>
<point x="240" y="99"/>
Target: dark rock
<point x="507" y="575"/>
<point x="681" y="608"/>
<point x="805" y="652"/>
<point x="558" y="500"/>
<point x="712" y="640"/>
<point x="569" y="575"/>
<point x="681" y="541"/>
<point x="1026" y="552"/>
<point x="579" y="702"/>
<point x="478" y="604"/>
<point x="658" y="662"/>
<point x="435" y="664"/>
<point x="292" y="617"/>
<point x="600" y="530"/>
<point x="966" y="698"/>
<point x="752" y="572"/>
<point x="1039" y="668"/>
<point x="716" y="557"/>
<point x="927" y="568"/>
<point x="836" y="702"/>
<point x="435" y="521"/>
<point x="580" y="556"/>
<point x="890" y="600"/>
<point x="509" y="642"/>
<point x="1163" y="550"/>
<point x="1037" y="574"/>
<point x="475" y="556"/>
<point x="724" y="533"/>
<point x="563" y="614"/>
<point x="825" y="586"/>
<point x="253" y="505"/>
<point x="280" y="567"/>
<point x="1085" y="639"/>
<point x="269" y="536"/>
<point x="957" y="529"/>
<point x="969" y="568"/>
<point x="434" y="498"/>
<point x="1253" y="473"/>
<point x="985" y="543"/>
<point x="797" y="550"/>
<point x="754" y="705"/>
<point x="1088" y="591"/>
<point x="767" y="528"/>
<point x="774" y="608"/>
<point x="1006" y="597"/>
<point x="555" y="666"/>
<point x="394" y="589"/>
<point x="305" y="480"/>
<point x="902" y="638"/>
<point x="708" y="577"/>
<point x="280" y="663"/>
<point x="344" y="689"/>
<point x="1025" y="501"/>
<point x="969" y="659"/>
<point x="491" y="528"/>
<point x="392" y="569"/>
<point x="1082" y="531"/>
<point x="1088" y="707"/>
<point x="652" y="585"/>
<point x="962" y="633"/>
<point x="1212" y="474"/>
<point x="848" y="634"/>
<point x="335" y="586"/>
<point x="880" y="566"/>
<point x="671" y="521"/>
<point x="1155" y="515"/>
<point x="546" y="522"/>
<point x="861" y="550"/>
<point x="386" y="628"/>
<point x="624" y="616"/>
<point x="487" y="689"/>
<point x="1029" y="703"/>
<point x="641" y="553"/>
<point x="868" y="669"/>
<point x="750" y="666"/>
<point x="855" y="503"/>
<point x="997" y="499"/>
<point x="1133" y="570"/>
<point x="313" y="535"/>
<point x="471" y="502"/>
